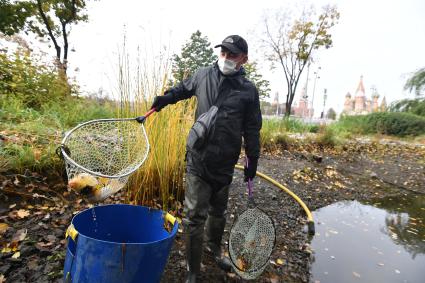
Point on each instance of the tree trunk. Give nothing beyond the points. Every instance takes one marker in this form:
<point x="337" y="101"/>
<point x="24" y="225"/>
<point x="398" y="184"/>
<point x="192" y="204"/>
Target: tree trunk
<point x="287" y="109"/>
<point x="289" y="99"/>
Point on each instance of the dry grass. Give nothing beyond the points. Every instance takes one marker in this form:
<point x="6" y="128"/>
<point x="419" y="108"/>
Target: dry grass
<point x="161" y="176"/>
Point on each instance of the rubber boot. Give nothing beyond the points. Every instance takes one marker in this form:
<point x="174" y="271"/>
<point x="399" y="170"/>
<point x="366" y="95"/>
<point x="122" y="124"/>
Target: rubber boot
<point x="193" y="255"/>
<point x="214" y="231"/>
<point x="191" y="277"/>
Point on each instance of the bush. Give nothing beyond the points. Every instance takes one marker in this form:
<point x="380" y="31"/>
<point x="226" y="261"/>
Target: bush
<point x="35" y="109"/>
<point x="414" y="106"/>
<point x="389" y="123"/>
<point x="30" y="81"/>
<point x="393" y="123"/>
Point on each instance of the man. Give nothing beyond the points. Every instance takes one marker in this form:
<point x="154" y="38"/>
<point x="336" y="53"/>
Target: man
<point x="209" y="174"/>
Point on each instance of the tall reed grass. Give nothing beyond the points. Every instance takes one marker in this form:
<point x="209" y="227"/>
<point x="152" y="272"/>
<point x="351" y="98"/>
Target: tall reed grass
<point x="160" y="178"/>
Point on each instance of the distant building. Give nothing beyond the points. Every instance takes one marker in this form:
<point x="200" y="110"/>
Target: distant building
<point x="302" y="109"/>
<point x="360" y="104"/>
<point x="275" y="107"/>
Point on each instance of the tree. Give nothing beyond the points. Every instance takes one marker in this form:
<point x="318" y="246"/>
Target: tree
<point x="47" y="19"/>
<point x="290" y="43"/>
<point x="13" y="16"/>
<point x="415" y="106"/>
<point x="255" y="77"/>
<point x="416" y="82"/>
<point x="196" y="52"/>
<point x="331" y="114"/>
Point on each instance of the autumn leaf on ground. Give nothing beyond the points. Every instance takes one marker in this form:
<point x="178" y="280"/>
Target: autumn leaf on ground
<point x="16" y="255"/>
<point x="3" y="228"/>
<point x="274" y="278"/>
<point x="19" y="235"/>
<point x="43" y="245"/>
<point x="22" y="213"/>
<point x="330" y="172"/>
<point x="339" y="185"/>
<point x="10" y="247"/>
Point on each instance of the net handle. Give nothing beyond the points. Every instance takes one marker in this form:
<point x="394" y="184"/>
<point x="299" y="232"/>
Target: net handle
<point x="141" y="119"/>
<point x="250" y="185"/>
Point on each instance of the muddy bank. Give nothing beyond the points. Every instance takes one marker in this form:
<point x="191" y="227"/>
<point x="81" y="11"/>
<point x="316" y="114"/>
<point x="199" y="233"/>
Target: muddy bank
<point x="319" y="176"/>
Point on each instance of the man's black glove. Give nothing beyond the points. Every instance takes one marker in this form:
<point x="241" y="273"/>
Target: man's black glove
<point x="163" y="100"/>
<point x="250" y="171"/>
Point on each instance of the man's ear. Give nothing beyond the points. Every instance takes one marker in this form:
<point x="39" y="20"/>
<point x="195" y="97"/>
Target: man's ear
<point x="245" y="59"/>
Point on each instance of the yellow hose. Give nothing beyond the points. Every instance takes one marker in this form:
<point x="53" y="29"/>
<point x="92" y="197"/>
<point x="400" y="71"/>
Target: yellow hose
<point x="311" y="229"/>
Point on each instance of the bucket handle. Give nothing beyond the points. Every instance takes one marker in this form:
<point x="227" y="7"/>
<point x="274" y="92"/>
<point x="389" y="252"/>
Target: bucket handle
<point x="71" y="232"/>
<point x="169" y="219"/>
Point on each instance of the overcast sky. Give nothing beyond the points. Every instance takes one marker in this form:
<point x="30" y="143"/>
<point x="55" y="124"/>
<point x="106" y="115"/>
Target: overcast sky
<point x="382" y="40"/>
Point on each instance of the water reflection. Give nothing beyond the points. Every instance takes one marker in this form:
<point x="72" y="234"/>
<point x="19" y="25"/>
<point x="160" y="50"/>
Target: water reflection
<point x="379" y="241"/>
<point x="405" y="228"/>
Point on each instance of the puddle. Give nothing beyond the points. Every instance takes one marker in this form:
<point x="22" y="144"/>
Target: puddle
<point x="370" y="242"/>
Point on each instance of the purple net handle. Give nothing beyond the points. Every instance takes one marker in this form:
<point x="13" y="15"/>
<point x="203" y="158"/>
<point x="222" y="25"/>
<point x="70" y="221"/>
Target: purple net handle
<point x="250" y="184"/>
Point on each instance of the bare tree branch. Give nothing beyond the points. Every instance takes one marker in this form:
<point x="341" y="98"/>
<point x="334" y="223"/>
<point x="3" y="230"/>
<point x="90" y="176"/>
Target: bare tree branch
<point x="293" y="43"/>
<point x="49" y="29"/>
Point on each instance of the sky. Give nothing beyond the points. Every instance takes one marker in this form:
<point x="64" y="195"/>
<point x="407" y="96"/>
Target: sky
<point x="383" y="41"/>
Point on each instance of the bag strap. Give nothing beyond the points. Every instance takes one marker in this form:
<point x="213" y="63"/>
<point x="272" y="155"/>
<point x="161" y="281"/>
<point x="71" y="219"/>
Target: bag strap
<point x="220" y="97"/>
<point x="219" y="100"/>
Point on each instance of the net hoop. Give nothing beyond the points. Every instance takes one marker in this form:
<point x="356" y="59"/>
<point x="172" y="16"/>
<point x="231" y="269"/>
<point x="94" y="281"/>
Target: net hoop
<point x="70" y="162"/>
<point x="255" y="271"/>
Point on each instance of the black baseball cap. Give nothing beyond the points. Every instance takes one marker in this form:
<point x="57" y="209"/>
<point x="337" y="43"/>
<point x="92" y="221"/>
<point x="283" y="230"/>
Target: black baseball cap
<point x="235" y="43"/>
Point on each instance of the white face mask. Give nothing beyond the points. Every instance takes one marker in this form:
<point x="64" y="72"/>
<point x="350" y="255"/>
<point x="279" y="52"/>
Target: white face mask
<point x="227" y="67"/>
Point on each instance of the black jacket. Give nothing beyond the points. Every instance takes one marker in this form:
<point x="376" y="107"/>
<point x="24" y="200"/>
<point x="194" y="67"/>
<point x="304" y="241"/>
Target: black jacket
<point x="238" y="116"/>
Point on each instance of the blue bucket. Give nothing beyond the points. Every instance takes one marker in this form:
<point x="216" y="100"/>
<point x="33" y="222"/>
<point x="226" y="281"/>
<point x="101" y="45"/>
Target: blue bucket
<point x="118" y="243"/>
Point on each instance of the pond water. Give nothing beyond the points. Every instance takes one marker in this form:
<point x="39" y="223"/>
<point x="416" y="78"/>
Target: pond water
<point x="379" y="241"/>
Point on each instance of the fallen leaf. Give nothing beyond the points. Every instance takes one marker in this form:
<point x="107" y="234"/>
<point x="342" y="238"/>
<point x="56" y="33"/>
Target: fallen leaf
<point x="3" y="228"/>
<point x="231" y="275"/>
<point x="22" y="213"/>
<point x="16" y="255"/>
<point x="19" y="235"/>
<point x="43" y="245"/>
<point x="274" y="278"/>
<point x="6" y="250"/>
<point x="279" y="261"/>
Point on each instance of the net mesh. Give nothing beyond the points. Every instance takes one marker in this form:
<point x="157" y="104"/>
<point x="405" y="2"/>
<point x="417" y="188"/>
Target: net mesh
<point x="112" y="148"/>
<point x="251" y="243"/>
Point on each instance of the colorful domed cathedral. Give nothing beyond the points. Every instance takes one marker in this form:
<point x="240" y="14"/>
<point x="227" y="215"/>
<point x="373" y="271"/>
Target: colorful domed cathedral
<point x="360" y="104"/>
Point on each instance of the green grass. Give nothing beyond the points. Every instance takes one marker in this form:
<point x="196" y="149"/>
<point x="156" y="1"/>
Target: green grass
<point x="33" y="134"/>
